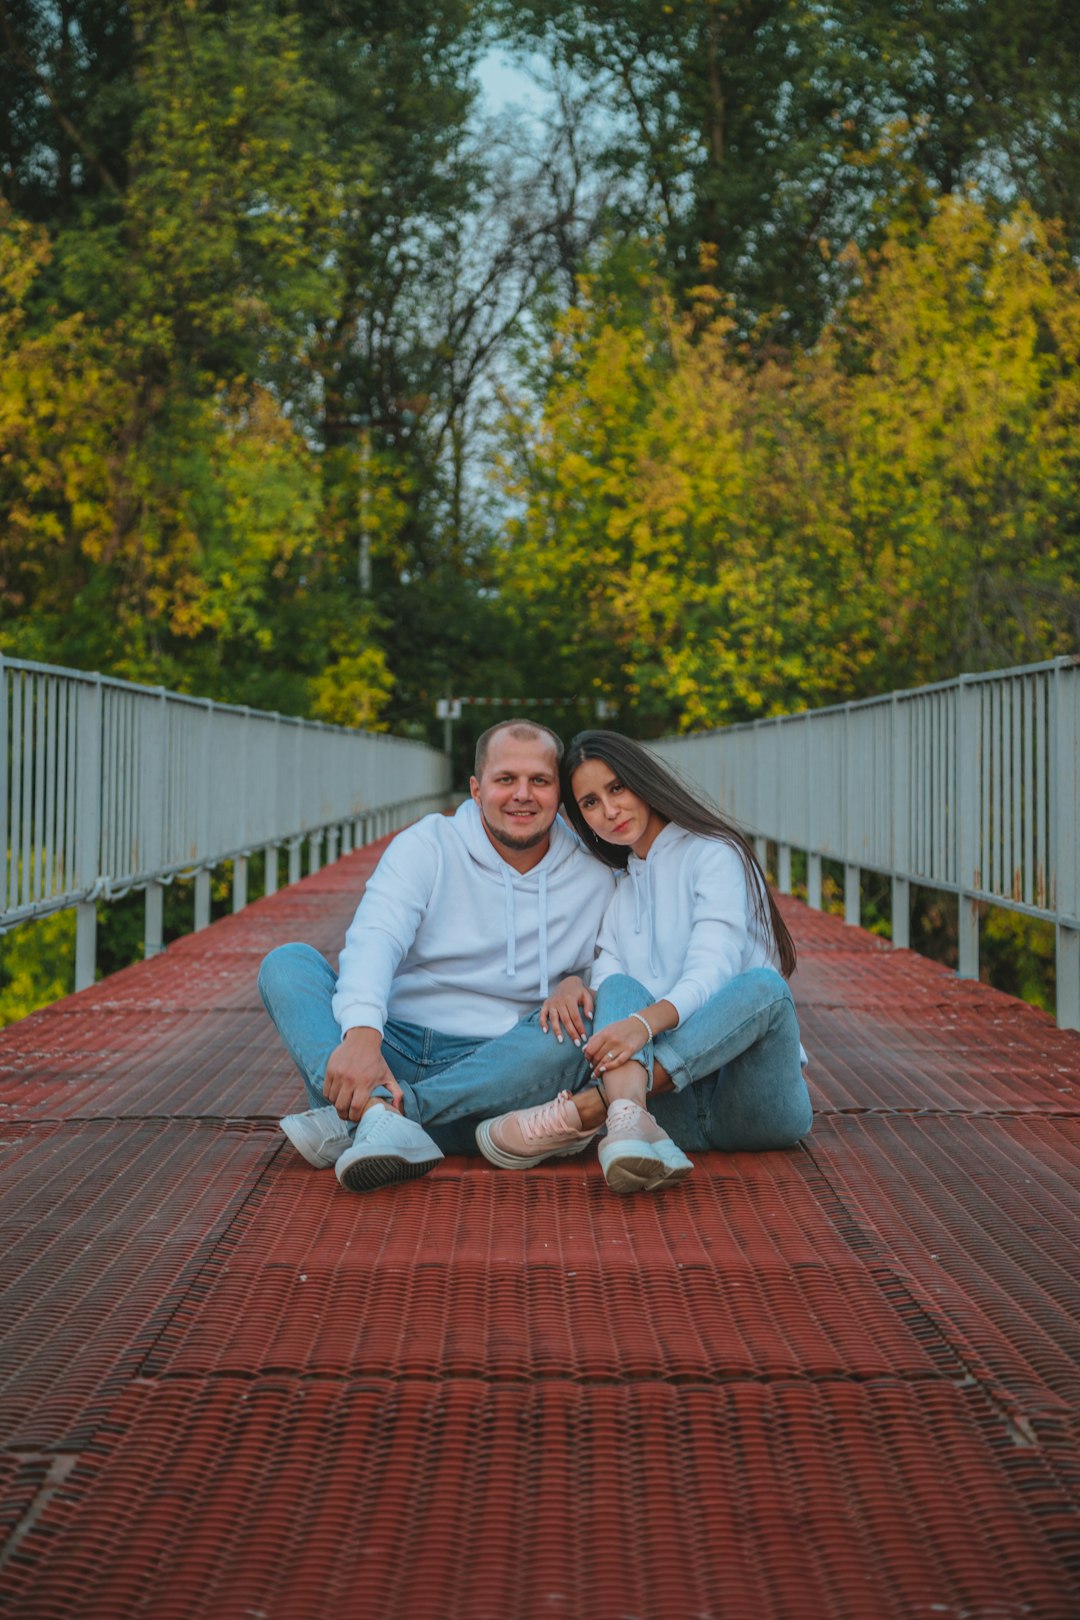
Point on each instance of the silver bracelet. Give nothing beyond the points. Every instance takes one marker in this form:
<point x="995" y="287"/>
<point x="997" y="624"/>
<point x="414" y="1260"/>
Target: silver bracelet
<point x="644" y="1021"/>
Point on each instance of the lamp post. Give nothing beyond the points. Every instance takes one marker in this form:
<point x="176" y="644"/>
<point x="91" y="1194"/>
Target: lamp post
<point x="448" y="709"/>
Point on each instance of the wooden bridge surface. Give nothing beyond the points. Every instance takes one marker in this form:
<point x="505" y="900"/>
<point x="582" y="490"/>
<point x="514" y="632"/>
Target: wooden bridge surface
<point x="842" y="1381"/>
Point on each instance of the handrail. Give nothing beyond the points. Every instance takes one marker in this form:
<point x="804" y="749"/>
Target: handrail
<point x="107" y="786"/>
<point x="970" y="785"/>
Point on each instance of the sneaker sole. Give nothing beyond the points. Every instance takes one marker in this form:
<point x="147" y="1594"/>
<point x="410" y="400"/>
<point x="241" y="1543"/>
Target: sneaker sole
<point x="371" y="1172"/>
<point x="509" y="1161"/>
<point x="632" y="1172"/>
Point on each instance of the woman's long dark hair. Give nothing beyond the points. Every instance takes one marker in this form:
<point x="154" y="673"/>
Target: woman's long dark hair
<point x="641" y="771"/>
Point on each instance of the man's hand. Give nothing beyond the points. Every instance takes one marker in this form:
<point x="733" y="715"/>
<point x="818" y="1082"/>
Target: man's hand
<point x="564" y="1009"/>
<point x="355" y="1068"/>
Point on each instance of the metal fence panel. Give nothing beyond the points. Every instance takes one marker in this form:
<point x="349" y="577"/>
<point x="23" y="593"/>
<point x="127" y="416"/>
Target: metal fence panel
<point x="106" y="786"/>
<point x="971" y="786"/>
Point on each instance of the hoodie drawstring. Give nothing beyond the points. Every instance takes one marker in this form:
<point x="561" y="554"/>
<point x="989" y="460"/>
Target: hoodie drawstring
<point x="643" y="911"/>
<point x="542" y="902"/>
<point x="511" y="929"/>
<point x="511" y="926"/>
<point x="637" y="898"/>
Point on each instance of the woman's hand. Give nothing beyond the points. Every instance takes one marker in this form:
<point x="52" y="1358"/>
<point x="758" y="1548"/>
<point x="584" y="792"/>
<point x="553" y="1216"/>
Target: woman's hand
<point x="614" y="1044"/>
<point x="565" y="1011"/>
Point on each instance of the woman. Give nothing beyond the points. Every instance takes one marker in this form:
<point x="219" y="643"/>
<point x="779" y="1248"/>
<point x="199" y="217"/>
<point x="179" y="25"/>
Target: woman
<point x="690" y="1005"/>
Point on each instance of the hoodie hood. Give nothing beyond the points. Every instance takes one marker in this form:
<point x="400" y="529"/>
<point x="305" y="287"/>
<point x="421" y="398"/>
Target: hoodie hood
<point x="562" y="845"/>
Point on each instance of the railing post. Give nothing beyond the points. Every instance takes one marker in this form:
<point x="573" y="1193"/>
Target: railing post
<point x="969" y="744"/>
<point x="332" y="836"/>
<point x="852" y="894"/>
<point x="239" y="884"/>
<point x="202" y="876"/>
<point x="7" y="865"/>
<point x="1068" y="976"/>
<point x="813" y="880"/>
<point x="85" y="943"/>
<point x="87" y="829"/>
<point x="1065" y="839"/>
<point x="299" y="817"/>
<point x="202" y="899"/>
<point x="783" y="865"/>
<point x="154" y="934"/>
<point x="901" y="913"/>
<point x="240" y="872"/>
<point x="270" y="850"/>
<point x="852" y="874"/>
<point x="900" y="832"/>
<point x="152" y="742"/>
<point x="346" y="838"/>
<point x="810" y="821"/>
<point x="314" y="850"/>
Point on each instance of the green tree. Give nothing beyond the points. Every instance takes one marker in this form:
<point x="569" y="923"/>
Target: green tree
<point x="166" y="515"/>
<point x="774" y="133"/>
<point x="987" y="92"/>
<point x="727" y="127"/>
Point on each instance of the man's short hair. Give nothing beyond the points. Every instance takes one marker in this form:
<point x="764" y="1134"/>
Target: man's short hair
<point x="517" y="728"/>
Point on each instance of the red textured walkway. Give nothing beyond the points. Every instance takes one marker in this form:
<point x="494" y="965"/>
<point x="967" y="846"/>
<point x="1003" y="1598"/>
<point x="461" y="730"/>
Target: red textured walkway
<point x="842" y="1381"/>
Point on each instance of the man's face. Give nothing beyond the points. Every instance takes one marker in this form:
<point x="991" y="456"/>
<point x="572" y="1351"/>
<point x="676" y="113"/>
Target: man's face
<point x="518" y="792"/>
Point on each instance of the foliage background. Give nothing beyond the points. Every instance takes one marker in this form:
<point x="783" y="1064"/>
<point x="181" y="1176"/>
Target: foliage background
<point x="741" y="378"/>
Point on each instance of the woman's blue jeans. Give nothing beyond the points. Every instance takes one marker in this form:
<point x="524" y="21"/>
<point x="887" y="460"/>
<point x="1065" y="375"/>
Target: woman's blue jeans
<point x="449" y="1083"/>
<point x="735" y="1064"/>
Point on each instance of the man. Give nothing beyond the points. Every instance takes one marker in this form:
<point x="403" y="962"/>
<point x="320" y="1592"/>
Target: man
<point x="432" y="1023"/>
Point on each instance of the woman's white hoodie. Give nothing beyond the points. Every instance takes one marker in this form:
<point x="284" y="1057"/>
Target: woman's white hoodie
<point x="682" y="921"/>
<point x="451" y="937"/>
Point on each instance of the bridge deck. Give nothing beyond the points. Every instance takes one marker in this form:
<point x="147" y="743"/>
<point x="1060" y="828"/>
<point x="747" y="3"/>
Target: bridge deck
<point x="842" y="1381"/>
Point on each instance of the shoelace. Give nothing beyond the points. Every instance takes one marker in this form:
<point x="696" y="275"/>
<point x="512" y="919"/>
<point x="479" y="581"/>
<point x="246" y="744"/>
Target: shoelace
<point x="549" y="1121"/>
<point x="621" y="1113"/>
<point x="379" y="1124"/>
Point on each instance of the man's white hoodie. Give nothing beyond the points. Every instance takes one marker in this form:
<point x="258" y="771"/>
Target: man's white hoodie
<point x="451" y="937"/>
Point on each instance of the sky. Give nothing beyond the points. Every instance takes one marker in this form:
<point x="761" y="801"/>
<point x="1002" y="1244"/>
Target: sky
<point x="504" y="83"/>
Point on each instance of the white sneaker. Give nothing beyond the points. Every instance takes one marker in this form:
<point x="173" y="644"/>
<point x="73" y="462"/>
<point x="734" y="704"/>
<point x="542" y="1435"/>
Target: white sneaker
<point x="636" y="1155"/>
<point x="321" y="1135"/>
<point x="387" y="1147"/>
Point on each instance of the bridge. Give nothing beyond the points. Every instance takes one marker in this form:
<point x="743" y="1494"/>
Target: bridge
<point x="841" y="1381"/>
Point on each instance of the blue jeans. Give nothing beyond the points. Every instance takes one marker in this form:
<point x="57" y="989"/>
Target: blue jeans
<point x="735" y="1065"/>
<point x="449" y="1082"/>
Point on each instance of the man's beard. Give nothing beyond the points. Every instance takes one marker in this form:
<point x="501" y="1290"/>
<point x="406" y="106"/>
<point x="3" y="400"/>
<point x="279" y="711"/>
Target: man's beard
<point x="513" y="840"/>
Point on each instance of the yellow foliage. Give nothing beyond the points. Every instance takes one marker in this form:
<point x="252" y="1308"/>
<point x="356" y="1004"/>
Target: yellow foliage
<point x="354" y="690"/>
<point x="732" y="542"/>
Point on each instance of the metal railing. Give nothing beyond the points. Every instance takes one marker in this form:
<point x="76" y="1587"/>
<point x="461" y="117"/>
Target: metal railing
<point x="107" y="787"/>
<point x="970" y="786"/>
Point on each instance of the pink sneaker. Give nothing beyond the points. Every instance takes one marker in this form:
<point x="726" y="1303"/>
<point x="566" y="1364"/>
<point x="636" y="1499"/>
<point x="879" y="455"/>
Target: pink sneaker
<point x="636" y="1155"/>
<point x="530" y="1135"/>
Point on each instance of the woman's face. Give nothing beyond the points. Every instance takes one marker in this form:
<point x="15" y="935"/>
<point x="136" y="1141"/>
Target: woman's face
<point x="612" y="811"/>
